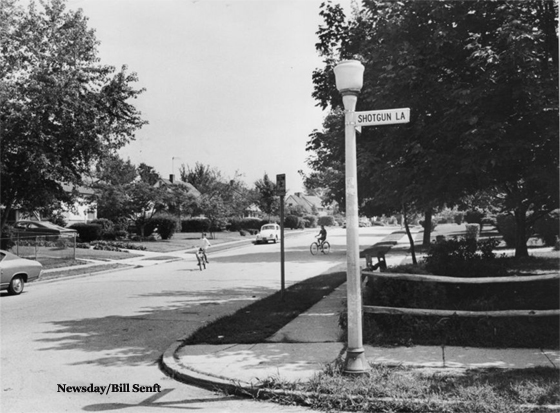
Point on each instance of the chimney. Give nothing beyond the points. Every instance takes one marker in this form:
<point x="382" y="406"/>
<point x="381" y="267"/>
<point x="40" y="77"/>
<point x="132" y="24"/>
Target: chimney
<point x="298" y="194"/>
<point x="172" y="178"/>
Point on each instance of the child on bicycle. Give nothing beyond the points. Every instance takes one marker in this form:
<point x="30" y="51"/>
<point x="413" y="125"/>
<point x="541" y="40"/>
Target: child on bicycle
<point x="203" y="246"/>
<point x="322" y="236"/>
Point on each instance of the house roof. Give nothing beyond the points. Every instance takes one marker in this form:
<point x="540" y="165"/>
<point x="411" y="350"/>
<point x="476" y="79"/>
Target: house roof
<point x="82" y="190"/>
<point x="189" y="187"/>
<point x="306" y="201"/>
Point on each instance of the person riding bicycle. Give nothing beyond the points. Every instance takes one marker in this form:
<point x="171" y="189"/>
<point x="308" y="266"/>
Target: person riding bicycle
<point x="322" y="236"/>
<point x="203" y="246"/>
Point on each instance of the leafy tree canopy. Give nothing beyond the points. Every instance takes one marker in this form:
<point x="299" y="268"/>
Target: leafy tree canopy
<point x="481" y="79"/>
<point x="60" y="110"/>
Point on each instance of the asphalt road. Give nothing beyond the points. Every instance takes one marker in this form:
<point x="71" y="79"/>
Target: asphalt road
<point x="92" y="343"/>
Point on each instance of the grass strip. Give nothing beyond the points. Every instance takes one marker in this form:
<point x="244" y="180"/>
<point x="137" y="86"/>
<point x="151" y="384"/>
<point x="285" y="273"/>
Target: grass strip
<point x="261" y="319"/>
<point x="81" y="271"/>
<point x="407" y="389"/>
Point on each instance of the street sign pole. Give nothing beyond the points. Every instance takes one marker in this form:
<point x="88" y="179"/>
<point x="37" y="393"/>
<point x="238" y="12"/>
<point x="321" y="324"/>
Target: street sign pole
<point x="281" y="190"/>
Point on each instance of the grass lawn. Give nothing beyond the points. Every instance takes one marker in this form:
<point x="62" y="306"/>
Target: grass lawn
<point x="405" y="389"/>
<point x="187" y="240"/>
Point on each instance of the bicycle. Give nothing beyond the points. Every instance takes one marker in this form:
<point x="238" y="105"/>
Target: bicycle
<point x="324" y="247"/>
<point x="201" y="258"/>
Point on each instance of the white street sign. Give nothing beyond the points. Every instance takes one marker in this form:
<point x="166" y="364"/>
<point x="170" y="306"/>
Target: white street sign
<point x="383" y="117"/>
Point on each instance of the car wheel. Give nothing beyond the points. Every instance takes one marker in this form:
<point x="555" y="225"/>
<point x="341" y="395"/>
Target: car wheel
<point x="16" y="285"/>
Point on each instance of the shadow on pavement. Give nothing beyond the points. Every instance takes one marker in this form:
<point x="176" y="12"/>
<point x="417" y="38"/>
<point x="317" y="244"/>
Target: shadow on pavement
<point x="141" y="338"/>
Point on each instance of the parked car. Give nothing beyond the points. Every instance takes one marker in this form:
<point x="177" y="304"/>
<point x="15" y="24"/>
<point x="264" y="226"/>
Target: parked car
<point x="16" y="271"/>
<point x="30" y="229"/>
<point x="269" y="232"/>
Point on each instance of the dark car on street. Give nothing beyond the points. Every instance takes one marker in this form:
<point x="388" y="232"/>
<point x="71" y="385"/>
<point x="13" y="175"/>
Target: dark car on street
<point x="16" y="271"/>
<point x="30" y="229"/>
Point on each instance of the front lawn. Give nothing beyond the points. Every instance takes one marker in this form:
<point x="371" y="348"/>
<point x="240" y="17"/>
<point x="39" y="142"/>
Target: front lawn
<point x="187" y="240"/>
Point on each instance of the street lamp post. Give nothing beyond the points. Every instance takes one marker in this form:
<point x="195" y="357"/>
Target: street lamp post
<point x="349" y="81"/>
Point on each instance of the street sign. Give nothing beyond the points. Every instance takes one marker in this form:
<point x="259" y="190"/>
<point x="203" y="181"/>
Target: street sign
<point x="281" y="184"/>
<point x="383" y="117"/>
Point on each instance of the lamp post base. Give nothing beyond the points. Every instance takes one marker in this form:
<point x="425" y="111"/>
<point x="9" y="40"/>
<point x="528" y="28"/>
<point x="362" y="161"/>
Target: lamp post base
<point x="356" y="362"/>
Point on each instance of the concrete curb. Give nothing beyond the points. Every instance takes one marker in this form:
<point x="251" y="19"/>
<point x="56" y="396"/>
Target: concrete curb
<point x="170" y="365"/>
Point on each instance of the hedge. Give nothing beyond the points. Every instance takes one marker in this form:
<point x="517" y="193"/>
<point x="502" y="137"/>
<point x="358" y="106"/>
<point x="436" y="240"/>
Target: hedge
<point x="195" y="225"/>
<point x="327" y="221"/>
<point x="293" y="222"/>
<point x="166" y="225"/>
<point x="88" y="232"/>
<point x="238" y="224"/>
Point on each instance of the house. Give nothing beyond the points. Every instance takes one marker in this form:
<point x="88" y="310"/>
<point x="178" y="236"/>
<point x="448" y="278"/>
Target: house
<point x="84" y="208"/>
<point x="252" y="211"/>
<point x="311" y="204"/>
<point x="169" y="183"/>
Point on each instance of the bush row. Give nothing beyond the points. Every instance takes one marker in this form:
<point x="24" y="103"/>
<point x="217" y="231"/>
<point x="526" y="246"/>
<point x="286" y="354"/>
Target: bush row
<point x="166" y="225"/>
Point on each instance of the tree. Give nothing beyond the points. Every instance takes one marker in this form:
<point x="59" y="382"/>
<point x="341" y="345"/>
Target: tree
<point x="481" y="79"/>
<point x="221" y="198"/>
<point x="148" y="174"/>
<point x="268" y="200"/>
<point x="60" y="110"/>
<point x="202" y="177"/>
<point x="143" y="201"/>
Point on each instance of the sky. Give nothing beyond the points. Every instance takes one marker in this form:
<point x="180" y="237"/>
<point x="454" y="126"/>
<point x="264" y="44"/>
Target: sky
<point x="228" y="82"/>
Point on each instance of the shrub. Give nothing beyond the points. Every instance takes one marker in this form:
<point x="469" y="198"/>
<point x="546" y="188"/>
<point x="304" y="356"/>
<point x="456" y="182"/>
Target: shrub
<point x="107" y="228"/>
<point x="165" y="224"/>
<point x="464" y="258"/>
<point x="57" y="218"/>
<point x="88" y="232"/>
<point x="146" y="225"/>
<point x="547" y="228"/>
<point x="459" y="218"/>
<point x="473" y="231"/>
<point x="310" y="221"/>
<point x="327" y="221"/>
<point x="292" y="222"/>
<point x="252" y="223"/>
<point x="219" y="225"/>
<point x="198" y="224"/>
<point x="403" y="293"/>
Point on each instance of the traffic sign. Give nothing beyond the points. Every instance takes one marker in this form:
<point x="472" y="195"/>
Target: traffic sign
<point x="281" y="184"/>
<point x="383" y="117"/>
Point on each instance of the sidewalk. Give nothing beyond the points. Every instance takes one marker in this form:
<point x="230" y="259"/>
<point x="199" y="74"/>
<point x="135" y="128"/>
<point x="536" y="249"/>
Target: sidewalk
<point x="302" y="348"/>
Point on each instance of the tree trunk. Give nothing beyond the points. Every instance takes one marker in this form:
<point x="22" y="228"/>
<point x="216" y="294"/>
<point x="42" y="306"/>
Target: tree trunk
<point x="521" y="234"/>
<point x="410" y="239"/>
<point x="426" y="241"/>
